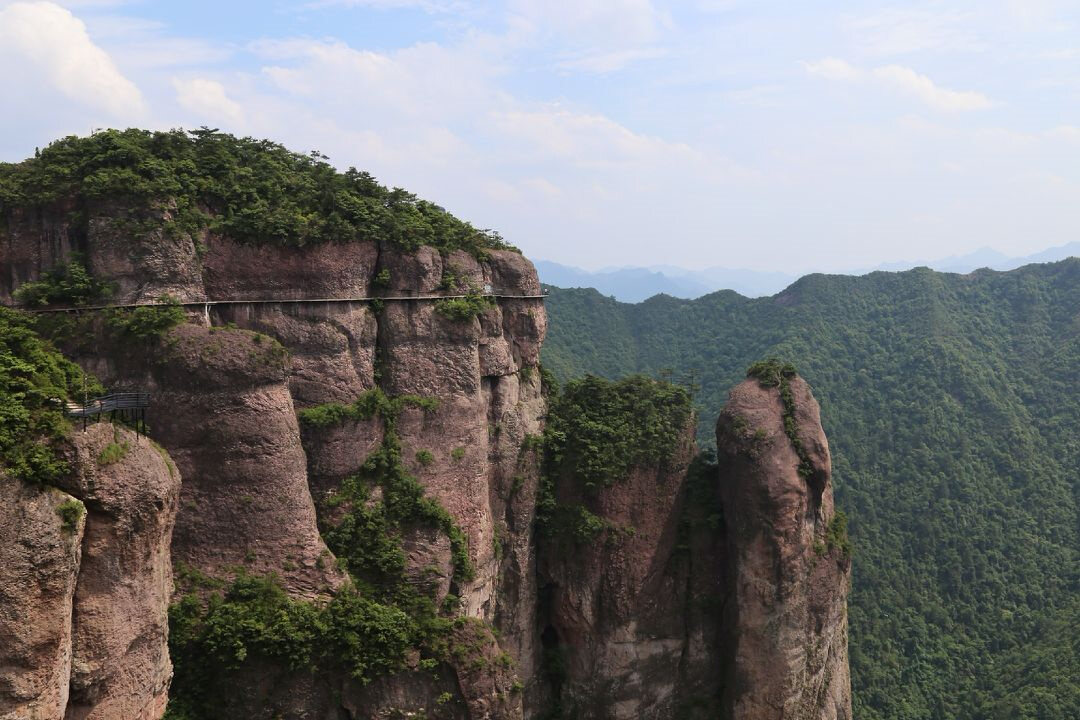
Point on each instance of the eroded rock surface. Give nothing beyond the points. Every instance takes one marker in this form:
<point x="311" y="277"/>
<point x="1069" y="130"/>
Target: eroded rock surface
<point x="85" y="584"/>
<point x="787" y="618"/>
<point x="616" y="607"/>
<point x="39" y="565"/>
<point x="120" y="657"/>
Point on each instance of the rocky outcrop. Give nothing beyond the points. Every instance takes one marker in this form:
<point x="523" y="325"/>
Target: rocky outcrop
<point x="120" y="657"/>
<point x="619" y="603"/>
<point x="220" y="404"/>
<point x="787" y="618"/>
<point x="41" y="532"/>
<point x="85" y="584"/>
<point x="225" y="404"/>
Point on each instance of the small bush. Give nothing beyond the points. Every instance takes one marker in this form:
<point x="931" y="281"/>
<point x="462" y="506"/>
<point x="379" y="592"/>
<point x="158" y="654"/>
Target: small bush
<point x="836" y="535"/>
<point x="457" y="453"/>
<point x="372" y="403"/>
<point x="147" y="322"/>
<point x="463" y="308"/>
<point x="424" y="457"/>
<point x="70" y="512"/>
<point x="771" y="372"/>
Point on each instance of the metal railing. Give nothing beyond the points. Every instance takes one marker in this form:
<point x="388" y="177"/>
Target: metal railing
<point x="129" y="406"/>
<point x="207" y="304"/>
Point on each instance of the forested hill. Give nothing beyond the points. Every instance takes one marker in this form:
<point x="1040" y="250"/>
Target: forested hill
<point x="952" y="403"/>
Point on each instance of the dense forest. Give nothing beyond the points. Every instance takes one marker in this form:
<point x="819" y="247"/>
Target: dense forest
<point x="255" y="191"/>
<point x="952" y="404"/>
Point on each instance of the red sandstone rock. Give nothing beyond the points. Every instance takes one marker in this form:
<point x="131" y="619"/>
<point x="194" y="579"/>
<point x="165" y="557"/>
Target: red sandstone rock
<point x="39" y="564"/>
<point x="788" y="615"/>
<point x="120" y="658"/>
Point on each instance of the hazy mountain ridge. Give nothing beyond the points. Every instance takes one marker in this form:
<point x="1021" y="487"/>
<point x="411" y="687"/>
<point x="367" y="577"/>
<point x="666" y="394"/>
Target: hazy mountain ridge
<point x="634" y="284"/>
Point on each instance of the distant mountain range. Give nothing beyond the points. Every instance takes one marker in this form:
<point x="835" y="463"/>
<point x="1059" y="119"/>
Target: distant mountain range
<point x="634" y="284"/>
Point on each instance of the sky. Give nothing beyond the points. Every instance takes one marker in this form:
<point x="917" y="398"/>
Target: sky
<point x="791" y="136"/>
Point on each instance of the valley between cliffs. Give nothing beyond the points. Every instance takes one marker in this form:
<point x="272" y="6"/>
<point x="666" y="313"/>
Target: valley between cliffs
<point x="362" y="497"/>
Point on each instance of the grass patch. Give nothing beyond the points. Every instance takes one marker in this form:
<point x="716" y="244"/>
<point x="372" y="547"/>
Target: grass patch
<point x="113" y="453"/>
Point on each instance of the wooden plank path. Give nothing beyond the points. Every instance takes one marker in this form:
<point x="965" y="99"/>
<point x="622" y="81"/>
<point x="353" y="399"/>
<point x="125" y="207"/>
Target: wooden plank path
<point x="207" y="304"/>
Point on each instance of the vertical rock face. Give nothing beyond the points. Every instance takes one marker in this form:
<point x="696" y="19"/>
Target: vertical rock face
<point x="225" y="407"/>
<point x="222" y="407"/>
<point x="85" y="582"/>
<point x="39" y="565"/>
<point x="621" y="603"/>
<point x="787" y="616"/>
<point x="632" y="569"/>
<point x="120" y="657"/>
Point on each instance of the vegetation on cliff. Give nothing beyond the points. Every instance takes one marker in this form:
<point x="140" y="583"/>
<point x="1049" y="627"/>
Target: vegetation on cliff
<point x="35" y="381"/>
<point x="254" y="191"/>
<point x="952" y="413"/>
<point x="384" y="621"/>
<point x="403" y="498"/>
<point x="603" y="429"/>
<point x="255" y="619"/>
<point x="597" y="431"/>
<point x="67" y="284"/>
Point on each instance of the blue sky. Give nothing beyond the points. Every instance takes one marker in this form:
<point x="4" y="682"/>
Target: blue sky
<point x="793" y="136"/>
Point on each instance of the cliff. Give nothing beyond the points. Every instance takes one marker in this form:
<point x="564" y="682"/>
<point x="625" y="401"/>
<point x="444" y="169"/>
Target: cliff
<point x="85" y="583"/>
<point x="790" y="564"/>
<point x="385" y="510"/>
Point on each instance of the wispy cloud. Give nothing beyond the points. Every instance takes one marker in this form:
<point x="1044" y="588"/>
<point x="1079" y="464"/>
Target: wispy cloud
<point x="904" y="80"/>
<point x="923" y="88"/>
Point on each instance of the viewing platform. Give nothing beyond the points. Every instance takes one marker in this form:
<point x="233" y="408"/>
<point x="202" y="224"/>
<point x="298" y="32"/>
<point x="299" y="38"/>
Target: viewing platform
<point x="129" y="406"/>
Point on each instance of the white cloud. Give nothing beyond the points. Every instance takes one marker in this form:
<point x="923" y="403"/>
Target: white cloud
<point x="587" y="140"/>
<point x="597" y="36"/>
<point x="1067" y="133"/>
<point x="922" y="87"/>
<point x="45" y="38"/>
<point x="903" y="79"/>
<point x="432" y="6"/>
<point x="207" y="99"/>
<point x="606" y="62"/>
<point x="419" y="83"/>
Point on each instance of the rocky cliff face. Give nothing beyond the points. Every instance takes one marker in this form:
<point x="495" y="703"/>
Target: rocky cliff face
<point x="708" y="583"/>
<point x="625" y="609"/>
<point x="225" y="405"/>
<point x="704" y="589"/>
<point x="85" y="583"/>
<point x="790" y="570"/>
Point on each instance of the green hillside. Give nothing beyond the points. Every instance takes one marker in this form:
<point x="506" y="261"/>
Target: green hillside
<point x="952" y="404"/>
